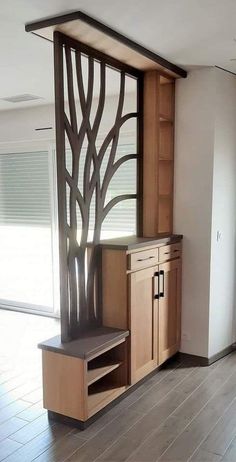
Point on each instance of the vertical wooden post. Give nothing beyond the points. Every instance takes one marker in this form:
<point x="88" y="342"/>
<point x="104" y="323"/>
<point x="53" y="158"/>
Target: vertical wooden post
<point x="61" y="184"/>
<point x="166" y="155"/>
<point x="150" y="152"/>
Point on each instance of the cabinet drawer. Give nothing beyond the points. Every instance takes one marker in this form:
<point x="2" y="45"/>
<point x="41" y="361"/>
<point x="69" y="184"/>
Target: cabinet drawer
<point x="169" y="251"/>
<point x="142" y="259"/>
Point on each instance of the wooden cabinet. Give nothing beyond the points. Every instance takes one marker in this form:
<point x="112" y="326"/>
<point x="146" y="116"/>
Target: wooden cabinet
<point x="144" y="296"/>
<point x="141" y="291"/>
<point x="143" y="323"/>
<point x="154" y="316"/>
<point x="169" y="309"/>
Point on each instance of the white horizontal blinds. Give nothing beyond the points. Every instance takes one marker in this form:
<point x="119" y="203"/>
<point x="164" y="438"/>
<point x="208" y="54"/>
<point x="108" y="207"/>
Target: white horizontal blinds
<point x="121" y="220"/>
<point x="26" y="270"/>
<point x="25" y="189"/>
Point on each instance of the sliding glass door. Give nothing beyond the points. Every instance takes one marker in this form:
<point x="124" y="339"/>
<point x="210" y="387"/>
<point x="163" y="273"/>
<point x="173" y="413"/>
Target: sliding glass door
<point x="26" y="237"/>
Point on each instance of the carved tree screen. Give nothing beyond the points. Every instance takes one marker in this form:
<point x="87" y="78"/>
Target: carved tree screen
<point x="89" y="159"/>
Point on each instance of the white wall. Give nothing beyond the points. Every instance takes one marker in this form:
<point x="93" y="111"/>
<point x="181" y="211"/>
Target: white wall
<point x="223" y="281"/>
<point x="204" y="185"/>
<point x="193" y="201"/>
<point x="18" y="126"/>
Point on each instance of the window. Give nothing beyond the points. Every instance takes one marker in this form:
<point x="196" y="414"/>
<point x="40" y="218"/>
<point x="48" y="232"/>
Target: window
<point x="26" y="270"/>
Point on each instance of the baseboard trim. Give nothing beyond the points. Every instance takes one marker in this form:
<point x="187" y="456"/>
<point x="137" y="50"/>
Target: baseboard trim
<point x="203" y="361"/>
<point x="221" y="354"/>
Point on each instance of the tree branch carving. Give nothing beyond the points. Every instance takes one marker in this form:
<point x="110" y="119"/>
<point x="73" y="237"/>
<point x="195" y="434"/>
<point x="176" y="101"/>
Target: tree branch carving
<point x="81" y="256"/>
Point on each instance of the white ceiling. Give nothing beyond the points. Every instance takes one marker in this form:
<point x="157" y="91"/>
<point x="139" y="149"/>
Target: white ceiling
<point x="186" y="32"/>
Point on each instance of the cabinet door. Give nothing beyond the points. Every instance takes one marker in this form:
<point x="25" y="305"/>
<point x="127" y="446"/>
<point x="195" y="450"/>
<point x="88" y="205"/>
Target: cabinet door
<point x="143" y="322"/>
<point x="169" y="308"/>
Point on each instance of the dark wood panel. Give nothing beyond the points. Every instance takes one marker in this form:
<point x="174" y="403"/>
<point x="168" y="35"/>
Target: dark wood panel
<point x="80" y="267"/>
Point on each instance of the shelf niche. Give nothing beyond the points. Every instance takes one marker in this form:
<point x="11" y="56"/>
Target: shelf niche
<point x="158" y="153"/>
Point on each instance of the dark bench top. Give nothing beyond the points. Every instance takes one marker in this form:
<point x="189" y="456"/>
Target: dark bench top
<point x="135" y="242"/>
<point x="88" y="345"/>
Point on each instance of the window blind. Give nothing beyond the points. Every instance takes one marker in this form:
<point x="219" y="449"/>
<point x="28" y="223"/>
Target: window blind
<point x="25" y="189"/>
<point x="26" y="270"/>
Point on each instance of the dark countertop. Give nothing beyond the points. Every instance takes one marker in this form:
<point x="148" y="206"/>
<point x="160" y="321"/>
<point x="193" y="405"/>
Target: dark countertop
<point x="135" y="242"/>
<point x="88" y="345"/>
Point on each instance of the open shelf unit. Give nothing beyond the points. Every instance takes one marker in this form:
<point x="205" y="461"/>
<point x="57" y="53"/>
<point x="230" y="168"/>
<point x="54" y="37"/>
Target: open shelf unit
<point x="165" y="156"/>
<point x="101" y="370"/>
<point x="106" y="378"/>
<point x="83" y="376"/>
<point x="158" y="153"/>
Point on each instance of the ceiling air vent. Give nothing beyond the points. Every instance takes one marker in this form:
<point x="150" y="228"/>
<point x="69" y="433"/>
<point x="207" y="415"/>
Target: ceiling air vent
<point x="21" y="98"/>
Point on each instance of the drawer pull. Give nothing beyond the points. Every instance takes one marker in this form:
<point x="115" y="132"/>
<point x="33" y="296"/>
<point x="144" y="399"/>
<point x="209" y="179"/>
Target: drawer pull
<point x="143" y="259"/>
<point x="172" y="251"/>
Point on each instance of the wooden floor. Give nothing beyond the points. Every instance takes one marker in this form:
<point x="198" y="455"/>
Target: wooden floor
<point x="183" y="413"/>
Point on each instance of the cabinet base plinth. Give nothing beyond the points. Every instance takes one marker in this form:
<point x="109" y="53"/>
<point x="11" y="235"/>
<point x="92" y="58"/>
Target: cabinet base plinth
<point x="69" y="420"/>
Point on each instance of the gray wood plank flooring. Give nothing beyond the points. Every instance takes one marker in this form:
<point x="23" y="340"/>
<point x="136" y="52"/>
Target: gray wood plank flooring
<point x="181" y="414"/>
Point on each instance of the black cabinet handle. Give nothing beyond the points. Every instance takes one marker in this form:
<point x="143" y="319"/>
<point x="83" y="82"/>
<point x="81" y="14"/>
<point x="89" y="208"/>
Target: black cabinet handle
<point x="162" y="293"/>
<point x="156" y="290"/>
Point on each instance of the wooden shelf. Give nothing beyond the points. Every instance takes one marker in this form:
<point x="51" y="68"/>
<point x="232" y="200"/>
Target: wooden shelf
<point x="101" y="370"/>
<point x="100" y="395"/>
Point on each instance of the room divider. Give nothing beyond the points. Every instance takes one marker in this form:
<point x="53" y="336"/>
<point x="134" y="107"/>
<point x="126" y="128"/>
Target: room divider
<point x="97" y="357"/>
